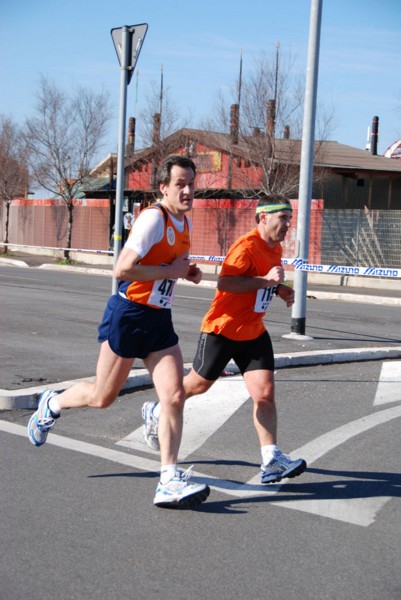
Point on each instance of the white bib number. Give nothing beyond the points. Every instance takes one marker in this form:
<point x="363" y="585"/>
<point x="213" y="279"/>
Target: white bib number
<point x="263" y="298"/>
<point x="162" y="293"/>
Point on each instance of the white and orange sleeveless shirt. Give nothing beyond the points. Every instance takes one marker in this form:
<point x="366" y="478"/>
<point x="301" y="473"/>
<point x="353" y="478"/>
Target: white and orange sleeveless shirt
<point x="159" y="239"/>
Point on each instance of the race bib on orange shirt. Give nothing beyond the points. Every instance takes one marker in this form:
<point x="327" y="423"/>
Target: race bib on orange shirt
<point x="162" y="294"/>
<point x="263" y="298"/>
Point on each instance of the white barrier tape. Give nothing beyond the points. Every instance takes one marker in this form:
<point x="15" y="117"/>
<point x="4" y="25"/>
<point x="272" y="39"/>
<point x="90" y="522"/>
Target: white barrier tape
<point x="208" y="258"/>
<point x="302" y="265"/>
<point x="297" y="263"/>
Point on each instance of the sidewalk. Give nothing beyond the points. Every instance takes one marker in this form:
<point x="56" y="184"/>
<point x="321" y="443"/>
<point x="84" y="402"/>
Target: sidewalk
<point x="363" y="350"/>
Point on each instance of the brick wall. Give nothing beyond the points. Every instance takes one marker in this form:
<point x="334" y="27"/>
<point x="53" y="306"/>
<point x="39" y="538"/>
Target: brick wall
<point x="216" y="225"/>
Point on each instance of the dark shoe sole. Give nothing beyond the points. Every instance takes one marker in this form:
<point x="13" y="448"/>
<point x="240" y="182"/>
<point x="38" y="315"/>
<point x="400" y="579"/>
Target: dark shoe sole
<point x="288" y="475"/>
<point x="297" y="471"/>
<point x="188" y="502"/>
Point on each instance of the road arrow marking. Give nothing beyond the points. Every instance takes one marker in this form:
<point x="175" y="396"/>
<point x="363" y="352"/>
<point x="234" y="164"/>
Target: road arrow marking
<point x="356" y="510"/>
<point x="203" y="416"/>
<point x="359" y="511"/>
<point x="389" y="386"/>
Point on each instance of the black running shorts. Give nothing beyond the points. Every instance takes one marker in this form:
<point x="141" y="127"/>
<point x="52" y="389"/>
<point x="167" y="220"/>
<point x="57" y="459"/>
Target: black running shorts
<point x="215" y="351"/>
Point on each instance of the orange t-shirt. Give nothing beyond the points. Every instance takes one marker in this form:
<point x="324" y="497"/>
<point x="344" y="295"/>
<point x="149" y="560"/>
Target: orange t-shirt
<point x="240" y="316"/>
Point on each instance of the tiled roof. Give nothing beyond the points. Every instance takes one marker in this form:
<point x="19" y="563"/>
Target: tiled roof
<point x="328" y="154"/>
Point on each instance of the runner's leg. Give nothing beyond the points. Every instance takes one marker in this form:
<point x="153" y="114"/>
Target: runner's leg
<point x="260" y="385"/>
<point x="167" y="371"/>
<point x="111" y="374"/>
<point x="194" y="384"/>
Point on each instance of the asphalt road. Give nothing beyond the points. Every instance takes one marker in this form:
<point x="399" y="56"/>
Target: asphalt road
<point x="49" y="324"/>
<point x="76" y="516"/>
<point x="77" y="520"/>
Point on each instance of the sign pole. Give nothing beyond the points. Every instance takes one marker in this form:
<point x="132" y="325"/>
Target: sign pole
<point x="128" y="43"/>
<point x="121" y="149"/>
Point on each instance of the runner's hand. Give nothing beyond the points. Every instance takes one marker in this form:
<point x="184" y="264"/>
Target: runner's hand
<point x="287" y="294"/>
<point x="275" y="276"/>
<point x="179" y="267"/>
<point x="194" y="273"/>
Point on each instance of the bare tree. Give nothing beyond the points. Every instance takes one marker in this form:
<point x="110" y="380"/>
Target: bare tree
<point x="270" y="104"/>
<point x="159" y="101"/>
<point x="13" y="168"/>
<point x="63" y="140"/>
<point x="158" y="120"/>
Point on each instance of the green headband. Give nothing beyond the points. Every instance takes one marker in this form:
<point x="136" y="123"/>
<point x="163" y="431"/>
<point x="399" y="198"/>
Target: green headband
<point x="273" y="208"/>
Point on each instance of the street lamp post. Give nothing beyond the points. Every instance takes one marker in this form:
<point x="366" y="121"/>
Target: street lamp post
<point x="298" y="322"/>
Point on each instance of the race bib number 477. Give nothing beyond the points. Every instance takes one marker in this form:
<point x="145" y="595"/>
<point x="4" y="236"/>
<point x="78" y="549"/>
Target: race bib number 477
<point x="162" y="294"/>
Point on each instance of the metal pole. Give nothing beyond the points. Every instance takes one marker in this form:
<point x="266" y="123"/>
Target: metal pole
<point x="306" y="168"/>
<point x="121" y="148"/>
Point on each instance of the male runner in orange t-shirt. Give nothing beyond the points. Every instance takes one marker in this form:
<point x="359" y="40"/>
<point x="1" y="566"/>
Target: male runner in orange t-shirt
<point x="233" y="328"/>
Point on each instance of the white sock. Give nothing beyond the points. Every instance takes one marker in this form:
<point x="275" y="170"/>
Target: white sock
<point x="268" y="453"/>
<point x="156" y="411"/>
<point x="54" y="405"/>
<point x="167" y="472"/>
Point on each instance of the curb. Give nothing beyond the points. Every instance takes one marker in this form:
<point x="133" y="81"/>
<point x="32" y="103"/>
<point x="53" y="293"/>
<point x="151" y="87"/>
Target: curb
<point x="14" y="262"/>
<point x="344" y="297"/>
<point x="27" y="399"/>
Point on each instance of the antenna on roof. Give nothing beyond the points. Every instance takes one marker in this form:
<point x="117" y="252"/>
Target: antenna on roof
<point x="136" y="91"/>
<point x="276" y="77"/>
<point x="368" y="145"/>
<point x="240" y="79"/>
<point x="161" y="92"/>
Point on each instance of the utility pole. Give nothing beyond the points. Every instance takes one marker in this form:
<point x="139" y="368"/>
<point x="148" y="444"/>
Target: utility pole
<point x="298" y="322"/>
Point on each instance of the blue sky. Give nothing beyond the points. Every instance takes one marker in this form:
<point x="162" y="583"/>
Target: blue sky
<point x="199" y="45"/>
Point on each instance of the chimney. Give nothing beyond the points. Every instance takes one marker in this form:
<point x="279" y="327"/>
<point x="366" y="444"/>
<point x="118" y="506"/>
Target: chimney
<point x="234" y="123"/>
<point x="375" y="136"/>
<point x="130" y="147"/>
<point x="156" y="129"/>
<point x="131" y="131"/>
<point x="270" y="126"/>
<point x="271" y="119"/>
<point x="286" y="132"/>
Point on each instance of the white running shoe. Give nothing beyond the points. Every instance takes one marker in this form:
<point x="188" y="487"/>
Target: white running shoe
<point x="281" y="466"/>
<point x="178" y="493"/>
<point x="150" y="425"/>
<point x="42" y="420"/>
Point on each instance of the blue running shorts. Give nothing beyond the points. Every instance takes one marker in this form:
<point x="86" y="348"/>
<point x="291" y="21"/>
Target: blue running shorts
<point x="135" y="330"/>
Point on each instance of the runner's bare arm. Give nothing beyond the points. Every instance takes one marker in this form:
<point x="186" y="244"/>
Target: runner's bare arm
<point x="128" y="268"/>
<point x="241" y="284"/>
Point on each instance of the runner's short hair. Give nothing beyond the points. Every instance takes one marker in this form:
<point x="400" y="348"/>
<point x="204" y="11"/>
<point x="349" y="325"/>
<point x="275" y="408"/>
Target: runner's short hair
<point x="164" y="169"/>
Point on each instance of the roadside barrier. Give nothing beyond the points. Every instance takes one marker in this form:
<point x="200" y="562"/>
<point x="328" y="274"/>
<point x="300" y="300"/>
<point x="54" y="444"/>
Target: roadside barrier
<point x="302" y="265"/>
<point x="297" y="263"/>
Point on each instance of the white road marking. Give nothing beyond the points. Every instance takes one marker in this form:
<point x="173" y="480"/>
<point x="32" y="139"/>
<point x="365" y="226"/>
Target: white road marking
<point x="389" y="386"/>
<point x="203" y="416"/>
<point x="122" y="458"/>
<point x="359" y="511"/>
